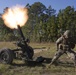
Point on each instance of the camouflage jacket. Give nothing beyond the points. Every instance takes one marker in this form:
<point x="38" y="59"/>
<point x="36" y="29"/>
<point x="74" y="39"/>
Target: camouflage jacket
<point x="66" y="41"/>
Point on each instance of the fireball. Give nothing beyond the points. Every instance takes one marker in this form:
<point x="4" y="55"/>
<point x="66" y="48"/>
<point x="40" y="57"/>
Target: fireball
<point x="14" y="16"/>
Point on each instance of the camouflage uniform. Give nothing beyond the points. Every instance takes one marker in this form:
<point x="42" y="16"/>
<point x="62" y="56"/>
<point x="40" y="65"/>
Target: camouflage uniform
<point x="65" y="44"/>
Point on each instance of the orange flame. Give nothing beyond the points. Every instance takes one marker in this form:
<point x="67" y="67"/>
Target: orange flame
<point x="15" y="16"/>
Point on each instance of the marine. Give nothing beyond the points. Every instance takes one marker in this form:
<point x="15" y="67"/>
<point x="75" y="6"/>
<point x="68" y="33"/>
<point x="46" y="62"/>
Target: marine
<point x="65" y="44"/>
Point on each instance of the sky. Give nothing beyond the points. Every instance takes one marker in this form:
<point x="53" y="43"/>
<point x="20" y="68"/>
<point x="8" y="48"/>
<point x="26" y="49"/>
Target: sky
<point x="55" y="4"/>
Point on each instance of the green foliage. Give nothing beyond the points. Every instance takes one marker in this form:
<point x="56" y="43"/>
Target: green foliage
<point x="43" y="24"/>
<point x="67" y="19"/>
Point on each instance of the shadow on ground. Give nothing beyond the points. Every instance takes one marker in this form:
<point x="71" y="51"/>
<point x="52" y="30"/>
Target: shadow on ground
<point x="42" y="61"/>
<point x="66" y="64"/>
<point x="38" y="62"/>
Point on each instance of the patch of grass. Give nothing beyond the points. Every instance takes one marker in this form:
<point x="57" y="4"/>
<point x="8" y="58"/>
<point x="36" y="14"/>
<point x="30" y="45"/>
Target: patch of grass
<point x="65" y="67"/>
<point x="10" y="45"/>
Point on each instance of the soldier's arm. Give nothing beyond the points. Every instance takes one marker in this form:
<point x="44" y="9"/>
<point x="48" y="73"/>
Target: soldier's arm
<point x="59" y="40"/>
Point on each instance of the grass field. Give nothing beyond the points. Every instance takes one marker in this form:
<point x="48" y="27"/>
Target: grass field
<point x="65" y="66"/>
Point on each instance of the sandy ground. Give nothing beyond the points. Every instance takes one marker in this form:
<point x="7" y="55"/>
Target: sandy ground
<point x="40" y="50"/>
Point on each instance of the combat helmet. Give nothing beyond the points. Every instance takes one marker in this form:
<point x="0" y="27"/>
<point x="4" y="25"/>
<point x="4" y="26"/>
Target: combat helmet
<point x="67" y="33"/>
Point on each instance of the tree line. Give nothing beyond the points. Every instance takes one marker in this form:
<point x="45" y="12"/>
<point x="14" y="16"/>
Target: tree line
<point x="43" y="25"/>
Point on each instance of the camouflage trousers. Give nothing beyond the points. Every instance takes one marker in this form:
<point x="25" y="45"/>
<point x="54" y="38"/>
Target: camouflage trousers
<point x="71" y="54"/>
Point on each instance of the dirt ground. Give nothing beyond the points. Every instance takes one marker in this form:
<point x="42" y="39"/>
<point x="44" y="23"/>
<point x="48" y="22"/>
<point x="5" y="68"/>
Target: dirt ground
<point x="40" y="50"/>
